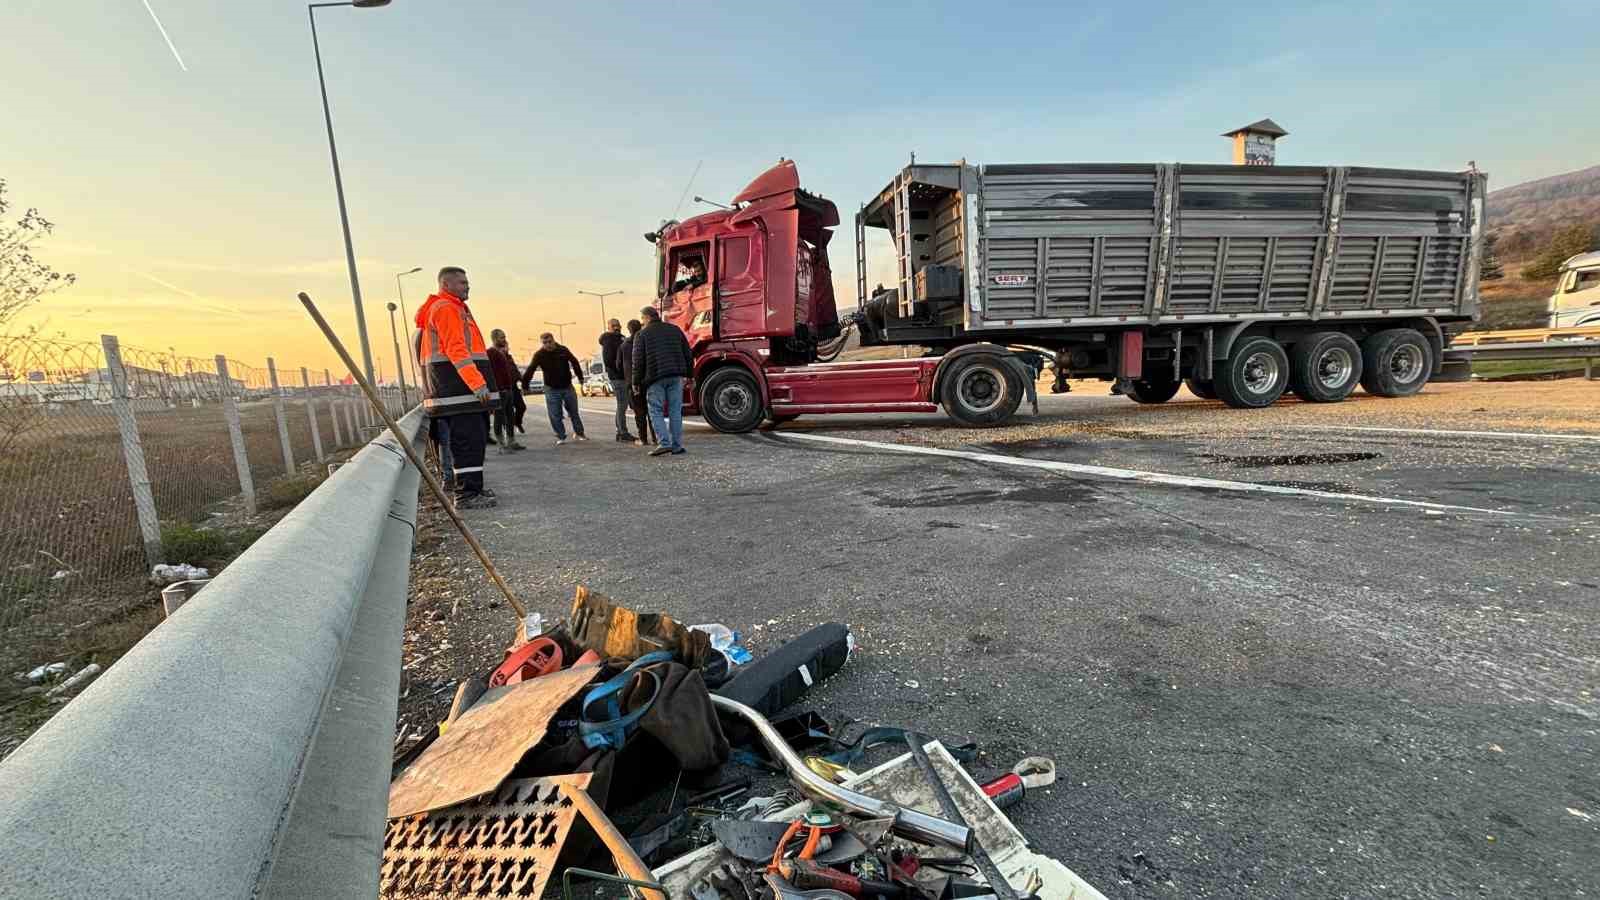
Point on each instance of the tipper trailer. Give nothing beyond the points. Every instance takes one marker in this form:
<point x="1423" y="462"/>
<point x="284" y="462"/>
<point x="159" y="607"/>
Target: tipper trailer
<point x="1243" y="281"/>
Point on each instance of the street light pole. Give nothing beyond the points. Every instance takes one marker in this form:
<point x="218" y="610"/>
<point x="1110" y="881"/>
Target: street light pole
<point x="405" y="317"/>
<point x="602" y="296"/>
<point x="338" y="180"/>
<point x="562" y="327"/>
<point x="399" y="361"/>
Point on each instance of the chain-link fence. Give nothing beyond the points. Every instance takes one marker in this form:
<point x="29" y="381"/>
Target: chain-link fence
<point x="105" y="449"/>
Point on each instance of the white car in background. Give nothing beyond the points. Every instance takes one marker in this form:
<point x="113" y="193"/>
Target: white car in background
<point x="1576" y="302"/>
<point x="595" y="382"/>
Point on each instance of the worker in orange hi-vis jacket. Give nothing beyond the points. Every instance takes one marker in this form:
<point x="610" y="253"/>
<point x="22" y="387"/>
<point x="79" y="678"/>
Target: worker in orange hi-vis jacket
<point x="460" y="385"/>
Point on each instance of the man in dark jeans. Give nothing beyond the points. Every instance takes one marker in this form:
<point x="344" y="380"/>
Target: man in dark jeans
<point x="505" y="379"/>
<point x="641" y="417"/>
<point x="610" y="345"/>
<point x="554" y="361"/>
<point x="661" y="361"/>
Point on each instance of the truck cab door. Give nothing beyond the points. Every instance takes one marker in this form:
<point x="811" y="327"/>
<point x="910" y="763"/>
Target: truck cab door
<point x="687" y="301"/>
<point x="740" y="301"/>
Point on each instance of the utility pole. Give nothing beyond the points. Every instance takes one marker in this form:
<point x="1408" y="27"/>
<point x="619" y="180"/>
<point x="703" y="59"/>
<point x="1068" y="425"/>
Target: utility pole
<point x="602" y="295"/>
<point x="338" y="180"/>
<point x="561" y="328"/>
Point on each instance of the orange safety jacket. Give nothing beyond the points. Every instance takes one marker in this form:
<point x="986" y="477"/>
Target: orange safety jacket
<point x="452" y="352"/>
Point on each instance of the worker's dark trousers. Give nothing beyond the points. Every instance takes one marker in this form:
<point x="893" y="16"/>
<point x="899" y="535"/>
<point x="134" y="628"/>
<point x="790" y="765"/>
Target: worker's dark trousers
<point x="641" y="418"/>
<point x="468" y="438"/>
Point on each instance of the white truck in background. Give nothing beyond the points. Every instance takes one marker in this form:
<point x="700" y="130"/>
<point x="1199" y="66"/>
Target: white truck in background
<point x="1576" y="301"/>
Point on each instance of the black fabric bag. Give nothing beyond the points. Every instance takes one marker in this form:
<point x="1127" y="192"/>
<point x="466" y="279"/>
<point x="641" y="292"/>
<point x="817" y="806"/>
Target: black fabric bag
<point x="783" y="676"/>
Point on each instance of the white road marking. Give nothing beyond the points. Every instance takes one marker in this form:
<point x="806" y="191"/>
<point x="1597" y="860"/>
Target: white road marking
<point x="1245" y="487"/>
<point x="688" y="421"/>
<point x="1535" y="435"/>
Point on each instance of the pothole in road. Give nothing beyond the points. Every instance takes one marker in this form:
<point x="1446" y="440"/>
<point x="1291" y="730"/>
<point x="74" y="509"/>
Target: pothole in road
<point x="1289" y="459"/>
<point x="1065" y="492"/>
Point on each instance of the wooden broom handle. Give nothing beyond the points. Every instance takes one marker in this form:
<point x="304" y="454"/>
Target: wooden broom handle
<point x="628" y="862"/>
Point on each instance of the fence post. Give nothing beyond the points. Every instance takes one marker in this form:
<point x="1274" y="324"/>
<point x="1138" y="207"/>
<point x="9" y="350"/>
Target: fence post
<point x="350" y="423"/>
<point x="230" y="411"/>
<point x="283" y="424"/>
<point x="144" y="501"/>
<point x="311" y="413"/>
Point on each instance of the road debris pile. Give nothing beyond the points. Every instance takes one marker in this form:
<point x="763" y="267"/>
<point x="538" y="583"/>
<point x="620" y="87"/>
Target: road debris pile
<point x="673" y="751"/>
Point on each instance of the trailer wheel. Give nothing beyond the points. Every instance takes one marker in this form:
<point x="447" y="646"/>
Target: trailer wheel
<point x="1205" y="390"/>
<point x="981" y="390"/>
<point x="1154" y="389"/>
<point x="1398" y="362"/>
<point x="1325" y="367"/>
<point x="1255" y="374"/>
<point x="730" y="400"/>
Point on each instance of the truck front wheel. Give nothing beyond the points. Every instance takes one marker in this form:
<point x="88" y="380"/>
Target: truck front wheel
<point x="730" y="400"/>
<point x="981" y="390"/>
<point x="1397" y="362"/>
<point x="1254" y="375"/>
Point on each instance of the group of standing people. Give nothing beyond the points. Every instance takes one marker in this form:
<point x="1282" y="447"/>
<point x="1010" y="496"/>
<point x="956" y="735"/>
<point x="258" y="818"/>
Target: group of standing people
<point x="472" y="392"/>
<point x="647" y="371"/>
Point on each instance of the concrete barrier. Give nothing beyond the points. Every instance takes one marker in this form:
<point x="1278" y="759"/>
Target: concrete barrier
<point x="242" y="748"/>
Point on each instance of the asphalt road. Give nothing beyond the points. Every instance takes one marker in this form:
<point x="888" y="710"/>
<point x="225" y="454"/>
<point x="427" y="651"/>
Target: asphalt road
<point x="1269" y="658"/>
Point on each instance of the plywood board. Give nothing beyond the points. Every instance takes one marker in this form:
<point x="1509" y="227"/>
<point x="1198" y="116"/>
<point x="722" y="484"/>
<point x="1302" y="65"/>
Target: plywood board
<point x="480" y="748"/>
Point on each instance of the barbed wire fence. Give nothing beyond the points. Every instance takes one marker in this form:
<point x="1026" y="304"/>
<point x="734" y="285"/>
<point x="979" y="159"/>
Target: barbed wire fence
<point x="104" y="449"/>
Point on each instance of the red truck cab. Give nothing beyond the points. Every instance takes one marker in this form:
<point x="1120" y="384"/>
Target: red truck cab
<point x="752" y="288"/>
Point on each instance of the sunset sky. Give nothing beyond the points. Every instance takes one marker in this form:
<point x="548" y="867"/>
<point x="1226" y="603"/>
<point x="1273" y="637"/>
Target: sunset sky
<point x="534" y="143"/>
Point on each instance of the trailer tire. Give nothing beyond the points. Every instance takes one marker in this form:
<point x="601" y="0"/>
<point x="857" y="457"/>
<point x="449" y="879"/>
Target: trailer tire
<point x="730" y="401"/>
<point x="1205" y="390"/>
<point x="981" y="390"/>
<point x="1255" y="374"/>
<point x="1397" y="362"/>
<point x="1156" y="389"/>
<point x="1325" y="367"/>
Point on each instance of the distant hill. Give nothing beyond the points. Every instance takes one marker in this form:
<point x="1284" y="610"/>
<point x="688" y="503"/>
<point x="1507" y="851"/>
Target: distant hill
<point x="1524" y="216"/>
<point x="1522" y="219"/>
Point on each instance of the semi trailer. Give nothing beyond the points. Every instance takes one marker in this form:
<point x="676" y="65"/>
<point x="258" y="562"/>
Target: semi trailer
<point x="1242" y="281"/>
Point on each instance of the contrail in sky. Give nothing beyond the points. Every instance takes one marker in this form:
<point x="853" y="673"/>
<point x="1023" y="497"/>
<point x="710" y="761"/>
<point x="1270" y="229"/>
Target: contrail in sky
<point x="163" y="29"/>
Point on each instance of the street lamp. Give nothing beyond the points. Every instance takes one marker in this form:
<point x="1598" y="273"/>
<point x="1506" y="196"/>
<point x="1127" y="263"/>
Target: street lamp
<point x="562" y="327"/>
<point x="399" y="361"/>
<point x="602" y="297"/>
<point x="338" y="180"/>
<point x="401" y="291"/>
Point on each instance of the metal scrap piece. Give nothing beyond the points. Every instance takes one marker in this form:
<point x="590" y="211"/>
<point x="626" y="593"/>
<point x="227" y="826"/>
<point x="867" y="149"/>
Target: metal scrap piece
<point x="504" y="845"/>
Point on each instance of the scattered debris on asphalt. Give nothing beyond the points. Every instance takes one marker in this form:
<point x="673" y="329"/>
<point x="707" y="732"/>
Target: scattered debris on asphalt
<point x="682" y="752"/>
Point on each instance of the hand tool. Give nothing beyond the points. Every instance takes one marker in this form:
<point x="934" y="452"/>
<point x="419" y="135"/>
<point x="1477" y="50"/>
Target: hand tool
<point x="434" y="487"/>
<point x="807" y="874"/>
<point x="947" y="805"/>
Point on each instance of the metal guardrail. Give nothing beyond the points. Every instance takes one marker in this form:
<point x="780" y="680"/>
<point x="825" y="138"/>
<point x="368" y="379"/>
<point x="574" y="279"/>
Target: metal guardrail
<point x="242" y="748"/>
<point x="1526" y="336"/>
<point x="1530" y="343"/>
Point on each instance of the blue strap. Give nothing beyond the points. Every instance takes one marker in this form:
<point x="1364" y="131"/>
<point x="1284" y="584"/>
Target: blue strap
<point x="613" y="731"/>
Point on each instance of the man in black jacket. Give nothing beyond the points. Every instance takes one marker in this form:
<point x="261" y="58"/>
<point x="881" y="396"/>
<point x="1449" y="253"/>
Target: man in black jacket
<point x="641" y="416"/>
<point x="661" y="361"/>
<point x="554" y="360"/>
<point x="610" y="347"/>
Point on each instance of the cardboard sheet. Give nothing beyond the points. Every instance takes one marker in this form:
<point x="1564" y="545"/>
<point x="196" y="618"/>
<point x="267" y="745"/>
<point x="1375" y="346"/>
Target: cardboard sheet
<point x="480" y="748"/>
